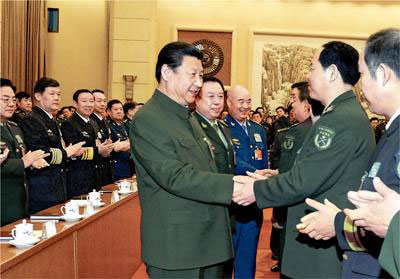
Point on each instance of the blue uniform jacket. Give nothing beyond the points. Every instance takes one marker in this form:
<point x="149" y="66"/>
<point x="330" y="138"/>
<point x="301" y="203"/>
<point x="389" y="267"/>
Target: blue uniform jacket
<point x="385" y="164"/>
<point x="251" y="150"/>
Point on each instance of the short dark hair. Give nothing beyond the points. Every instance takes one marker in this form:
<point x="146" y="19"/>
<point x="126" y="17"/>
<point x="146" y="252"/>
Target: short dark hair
<point x="97" y="91"/>
<point x="345" y="57"/>
<point x="113" y="102"/>
<point x="280" y="107"/>
<point x="140" y="104"/>
<point x="214" y="79"/>
<point x="44" y="82"/>
<point x="258" y="108"/>
<point x="172" y="55"/>
<point x="256" y="112"/>
<point x="374" y="118"/>
<point x="79" y="92"/>
<point x="63" y="108"/>
<point x="302" y="86"/>
<point x="6" y="82"/>
<point x="383" y="47"/>
<point x="22" y="95"/>
<point x="128" y="105"/>
<point x="316" y="106"/>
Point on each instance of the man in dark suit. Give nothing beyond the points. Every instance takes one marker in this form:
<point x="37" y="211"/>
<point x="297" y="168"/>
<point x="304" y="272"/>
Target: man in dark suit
<point x="24" y="106"/>
<point x="14" y="159"/>
<point x="47" y="187"/>
<point x="103" y="134"/>
<point x="81" y="174"/>
<point x="331" y="162"/>
<point x="185" y="225"/>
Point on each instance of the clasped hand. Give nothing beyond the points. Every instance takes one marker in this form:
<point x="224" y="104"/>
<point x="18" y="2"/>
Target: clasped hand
<point x="243" y="188"/>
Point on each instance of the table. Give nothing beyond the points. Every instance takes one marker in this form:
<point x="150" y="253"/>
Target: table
<point x="104" y="245"/>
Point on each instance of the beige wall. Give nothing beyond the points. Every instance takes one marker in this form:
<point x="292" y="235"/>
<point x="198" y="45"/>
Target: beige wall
<point x="78" y="55"/>
<point x="345" y="18"/>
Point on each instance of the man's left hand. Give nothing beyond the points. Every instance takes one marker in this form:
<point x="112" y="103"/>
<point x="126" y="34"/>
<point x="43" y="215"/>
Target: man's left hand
<point x="321" y="223"/>
<point x="245" y="195"/>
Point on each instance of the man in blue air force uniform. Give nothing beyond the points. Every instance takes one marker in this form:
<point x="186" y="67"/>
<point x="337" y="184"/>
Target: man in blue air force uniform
<point x="250" y="145"/>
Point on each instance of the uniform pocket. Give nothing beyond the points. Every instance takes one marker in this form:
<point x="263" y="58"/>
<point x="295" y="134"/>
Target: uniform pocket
<point x="186" y="142"/>
<point x="177" y="217"/>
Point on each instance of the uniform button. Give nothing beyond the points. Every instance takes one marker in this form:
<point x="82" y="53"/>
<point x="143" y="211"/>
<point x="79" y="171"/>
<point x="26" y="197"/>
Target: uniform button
<point x="252" y="157"/>
<point x="251" y="146"/>
<point x="345" y="257"/>
<point x="230" y="165"/>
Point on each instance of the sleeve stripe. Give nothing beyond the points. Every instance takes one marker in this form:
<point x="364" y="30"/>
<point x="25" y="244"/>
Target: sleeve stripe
<point x="352" y="235"/>
<point x="56" y="156"/>
<point x="88" y="154"/>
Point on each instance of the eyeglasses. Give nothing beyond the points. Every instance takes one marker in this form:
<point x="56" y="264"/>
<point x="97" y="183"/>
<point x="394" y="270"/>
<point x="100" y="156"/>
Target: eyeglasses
<point x="8" y="100"/>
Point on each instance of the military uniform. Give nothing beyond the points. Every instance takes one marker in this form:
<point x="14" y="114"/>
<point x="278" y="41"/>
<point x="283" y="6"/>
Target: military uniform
<point x="292" y="142"/>
<point x="389" y="257"/>
<point x="331" y="162"/>
<point x="361" y="253"/>
<point x="18" y="115"/>
<point x="127" y="124"/>
<point x="13" y="190"/>
<point x="47" y="186"/>
<point x="122" y="163"/>
<point x="275" y="152"/>
<point x="81" y="172"/>
<point x="185" y="222"/>
<point x="251" y="154"/>
<point x="104" y="169"/>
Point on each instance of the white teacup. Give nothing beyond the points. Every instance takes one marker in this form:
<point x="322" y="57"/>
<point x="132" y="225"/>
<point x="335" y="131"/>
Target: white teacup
<point x="94" y="197"/>
<point x="23" y="232"/>
<point x="124" y="186"/>
<point x="70" y="209"/>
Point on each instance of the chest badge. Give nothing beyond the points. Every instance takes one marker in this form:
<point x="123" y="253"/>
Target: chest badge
<point x="288" y="143"/>
<point x="257" y="137"/>
<point x="324" y="138"/>
<point x="85" y="134"/>
<point x="374" y="169"/>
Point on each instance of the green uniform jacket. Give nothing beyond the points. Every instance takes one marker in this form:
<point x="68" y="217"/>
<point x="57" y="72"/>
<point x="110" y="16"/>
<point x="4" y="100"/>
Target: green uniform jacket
<point x="389" y="257"/>
<point x="185" y="222"/>
<point x="333" y="158"/>
<point x="13" y="191"/>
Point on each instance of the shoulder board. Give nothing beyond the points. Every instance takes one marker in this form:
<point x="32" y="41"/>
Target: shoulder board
<point x="294" y="125"/>
<point x="282" y="130"/>
<point x="12" y="123"/>
<point x="223" y="122"/>
<point x="252" y="122"/>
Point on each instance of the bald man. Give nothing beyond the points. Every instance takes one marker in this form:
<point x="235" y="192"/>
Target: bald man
<point x="250" y="145"/>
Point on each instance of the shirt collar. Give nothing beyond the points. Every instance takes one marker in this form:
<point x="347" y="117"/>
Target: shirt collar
<point x="211" y="122"/>
<point x="83" y="118"/>
<point x="48" y="114"/>
<point x="98" y="116"/>
<point x="397" y="113"/>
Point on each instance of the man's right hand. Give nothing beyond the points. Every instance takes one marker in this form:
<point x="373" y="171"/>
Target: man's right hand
<point x="105" y="148"/>
<point x="268" y="172"/>
<point x="75" y="149"/>
<point x="33" y="156"/>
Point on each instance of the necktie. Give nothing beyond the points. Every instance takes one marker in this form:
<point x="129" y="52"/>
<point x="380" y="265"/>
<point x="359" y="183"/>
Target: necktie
<point x="220" y="134"/>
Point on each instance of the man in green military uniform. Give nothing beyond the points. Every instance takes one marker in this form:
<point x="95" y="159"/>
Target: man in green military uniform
<point x="13" y="189"/>
<point x="185" y="226"/>
<point x="331" y="162"/>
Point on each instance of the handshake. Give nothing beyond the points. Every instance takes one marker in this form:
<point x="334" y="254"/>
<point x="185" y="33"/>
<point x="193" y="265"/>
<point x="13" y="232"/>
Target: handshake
<point x="243" y="186"/>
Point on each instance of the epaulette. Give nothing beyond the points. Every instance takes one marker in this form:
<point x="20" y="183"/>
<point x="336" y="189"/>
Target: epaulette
<point x="12" y="123"/>
<point x="253" y="122"/>
<point x="294" y="125"/>
<point x="223" y="122"/>
<point x="282" y="130"/>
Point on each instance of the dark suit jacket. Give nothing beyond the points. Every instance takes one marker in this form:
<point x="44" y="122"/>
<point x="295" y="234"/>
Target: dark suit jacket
<point x="13" y="192"/>
<point x="185" y="222"/>
<point x="47" y="184"/>
<point x="81" y="173"/>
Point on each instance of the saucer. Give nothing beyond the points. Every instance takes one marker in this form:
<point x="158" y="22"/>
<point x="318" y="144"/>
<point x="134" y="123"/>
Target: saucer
<point x="97" y="205"/>
<point x="124" y="192"/>
<point x="22" y="245"/>
<point x="72" y="218"/>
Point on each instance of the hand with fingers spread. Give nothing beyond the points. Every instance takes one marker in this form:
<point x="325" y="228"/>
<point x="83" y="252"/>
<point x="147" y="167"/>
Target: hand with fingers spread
<point x="33" y="156"/>
<point x="321" y="223"/>
<point x="75" y="149"/>
<point x="376" y="210"/>
<point x="4" y="155"/>
<point x="243" y="190"/>
<point x="268" y="172"/>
